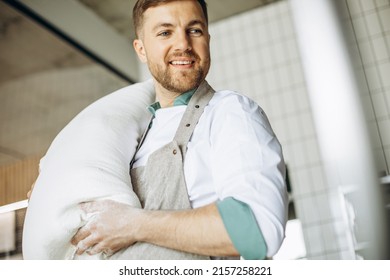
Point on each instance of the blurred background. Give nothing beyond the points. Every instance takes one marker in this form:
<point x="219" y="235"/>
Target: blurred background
<point x="319" y="68"/>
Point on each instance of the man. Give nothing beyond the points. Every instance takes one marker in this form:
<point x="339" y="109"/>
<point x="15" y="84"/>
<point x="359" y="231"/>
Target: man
<point x="217" y="147"/>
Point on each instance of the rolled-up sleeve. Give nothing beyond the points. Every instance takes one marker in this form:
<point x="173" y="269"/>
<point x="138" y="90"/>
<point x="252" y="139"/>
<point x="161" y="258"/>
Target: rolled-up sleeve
<point x="241" y="225"/>
<point x="248" y="167"/>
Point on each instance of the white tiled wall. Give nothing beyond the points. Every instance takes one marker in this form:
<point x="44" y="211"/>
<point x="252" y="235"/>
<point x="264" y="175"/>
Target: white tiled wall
<point x="256" y="54"/>
<point x="371" y="25"/>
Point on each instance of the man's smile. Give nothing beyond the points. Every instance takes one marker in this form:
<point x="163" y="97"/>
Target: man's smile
<point x="186" y="63"/>
<point x="182" y="62"/>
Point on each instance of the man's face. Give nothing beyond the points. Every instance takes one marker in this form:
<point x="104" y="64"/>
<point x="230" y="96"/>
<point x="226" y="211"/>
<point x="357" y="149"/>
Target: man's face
<point x="174" y="42"/>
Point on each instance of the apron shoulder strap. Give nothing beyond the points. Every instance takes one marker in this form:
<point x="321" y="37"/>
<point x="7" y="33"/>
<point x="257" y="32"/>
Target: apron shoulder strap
<point x="195" y="109"/>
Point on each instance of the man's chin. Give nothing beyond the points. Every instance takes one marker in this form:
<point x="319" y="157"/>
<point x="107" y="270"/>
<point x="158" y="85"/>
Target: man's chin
<point x="182" y="84"/>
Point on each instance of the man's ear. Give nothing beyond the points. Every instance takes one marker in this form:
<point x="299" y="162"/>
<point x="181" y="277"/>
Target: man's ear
<point x="140" y="50"/>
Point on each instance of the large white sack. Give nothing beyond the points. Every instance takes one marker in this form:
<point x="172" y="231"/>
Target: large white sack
<point x="88" y="160"/>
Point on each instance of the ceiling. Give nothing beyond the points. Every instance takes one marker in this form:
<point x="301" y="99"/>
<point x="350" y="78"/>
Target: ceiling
<point x="118" y="12"/>
<point x="28" y="49"/>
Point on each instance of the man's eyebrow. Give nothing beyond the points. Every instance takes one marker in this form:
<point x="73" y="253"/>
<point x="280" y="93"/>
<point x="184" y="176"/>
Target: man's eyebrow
<point x="197" y="22"/>
<point x="170" y="25"/>
<point x="163" y="24"/>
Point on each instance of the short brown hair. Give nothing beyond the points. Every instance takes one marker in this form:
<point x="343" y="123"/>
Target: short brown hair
<point x="142" y="5"/>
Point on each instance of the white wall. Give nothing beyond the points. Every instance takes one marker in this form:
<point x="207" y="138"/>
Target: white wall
<point x="370" y="21"/>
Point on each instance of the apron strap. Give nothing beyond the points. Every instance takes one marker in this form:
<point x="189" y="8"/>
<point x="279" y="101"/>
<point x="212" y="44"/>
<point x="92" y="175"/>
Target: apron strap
<point x="141" y="141"/>
<point x="195" y="108"/>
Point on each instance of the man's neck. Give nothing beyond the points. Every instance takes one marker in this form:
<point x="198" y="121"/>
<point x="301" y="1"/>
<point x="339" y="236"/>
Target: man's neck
<point x="164" y="96"/>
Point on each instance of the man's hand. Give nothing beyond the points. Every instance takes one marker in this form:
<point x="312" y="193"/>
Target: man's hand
<point x="114" y="226"/>
<point x="111" y="227"/>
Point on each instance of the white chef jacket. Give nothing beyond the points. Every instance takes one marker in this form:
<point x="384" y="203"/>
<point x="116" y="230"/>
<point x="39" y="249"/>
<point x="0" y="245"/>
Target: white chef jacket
<point x="233" y="153"/>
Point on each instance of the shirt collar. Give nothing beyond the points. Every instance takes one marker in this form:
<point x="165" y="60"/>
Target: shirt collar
<point x="182" y="99"/>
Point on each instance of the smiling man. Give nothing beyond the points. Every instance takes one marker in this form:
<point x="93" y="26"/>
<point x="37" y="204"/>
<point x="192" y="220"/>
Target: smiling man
<point x="174" y="42"/>
<point x="209" y="171"/>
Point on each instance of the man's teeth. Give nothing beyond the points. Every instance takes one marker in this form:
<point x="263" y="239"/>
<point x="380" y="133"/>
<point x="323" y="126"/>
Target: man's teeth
<point x="181" y="62"/>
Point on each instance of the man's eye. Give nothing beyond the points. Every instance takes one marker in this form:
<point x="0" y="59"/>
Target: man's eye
<point x="164" y="33"/>
<point x="196" y="32"/>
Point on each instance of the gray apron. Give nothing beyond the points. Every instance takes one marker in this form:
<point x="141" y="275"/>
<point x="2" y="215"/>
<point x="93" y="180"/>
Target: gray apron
<point x="160" y="185"/>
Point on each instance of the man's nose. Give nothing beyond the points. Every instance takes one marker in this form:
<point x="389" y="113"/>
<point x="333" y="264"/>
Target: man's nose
<point x="183" y="42"/>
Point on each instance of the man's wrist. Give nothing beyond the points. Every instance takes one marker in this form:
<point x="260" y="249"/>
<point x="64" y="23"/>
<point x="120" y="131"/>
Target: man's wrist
<point x="138" y="225"/>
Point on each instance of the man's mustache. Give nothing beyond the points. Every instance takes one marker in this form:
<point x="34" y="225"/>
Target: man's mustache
<point x="187" y="54"/>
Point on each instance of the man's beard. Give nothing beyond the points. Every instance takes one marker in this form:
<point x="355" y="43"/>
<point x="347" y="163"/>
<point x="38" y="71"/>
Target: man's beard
<point x="179" y="82"/>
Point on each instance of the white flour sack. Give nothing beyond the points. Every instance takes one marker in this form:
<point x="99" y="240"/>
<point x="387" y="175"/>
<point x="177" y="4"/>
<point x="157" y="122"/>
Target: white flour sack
<point x="87" y="161"/>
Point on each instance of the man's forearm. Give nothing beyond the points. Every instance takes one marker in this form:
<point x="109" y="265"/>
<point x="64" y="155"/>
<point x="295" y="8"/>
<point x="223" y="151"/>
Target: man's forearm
<point x="199" y="231"/>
